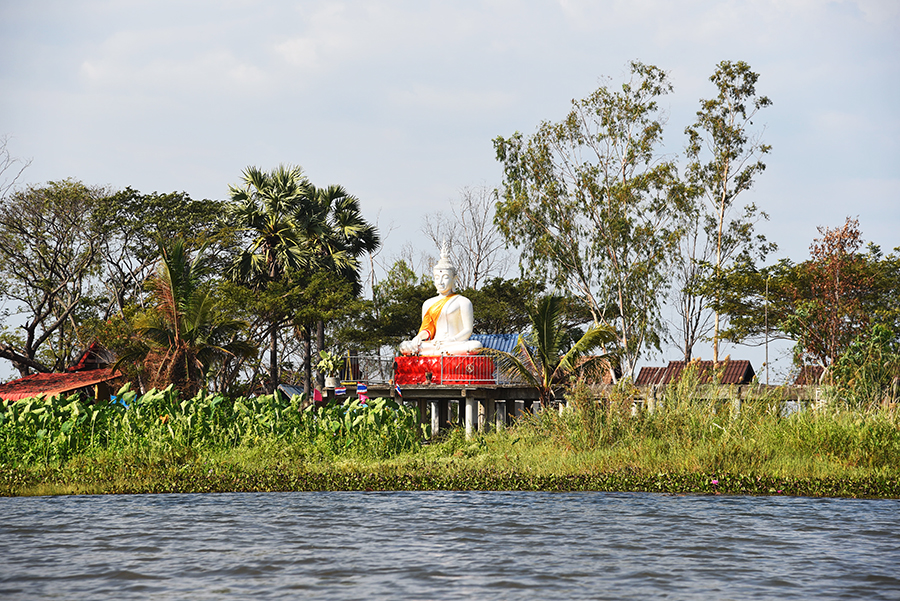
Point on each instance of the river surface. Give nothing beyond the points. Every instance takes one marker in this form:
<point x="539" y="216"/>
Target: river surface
<point x="448" y="545"/>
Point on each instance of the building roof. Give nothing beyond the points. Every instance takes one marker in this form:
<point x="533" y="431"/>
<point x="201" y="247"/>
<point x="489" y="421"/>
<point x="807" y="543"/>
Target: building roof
<point x="499" y="342"/>
<point x="93" y="357"/>
<point x="49" y="385"/>
<point x="734" y="372"/>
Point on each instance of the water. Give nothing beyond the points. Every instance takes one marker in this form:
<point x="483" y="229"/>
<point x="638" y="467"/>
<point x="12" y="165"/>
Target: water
<point x="448" y="545"/>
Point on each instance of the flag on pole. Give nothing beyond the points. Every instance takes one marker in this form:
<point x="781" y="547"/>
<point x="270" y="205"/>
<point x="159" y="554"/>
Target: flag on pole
<point x="397" y="388"/>
<point x="361" y="388"/>
<point x="317" y="395"/>
<point x="340" y="391"/>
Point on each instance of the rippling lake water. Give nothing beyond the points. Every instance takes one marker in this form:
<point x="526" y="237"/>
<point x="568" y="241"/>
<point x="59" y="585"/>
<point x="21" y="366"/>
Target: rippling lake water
<point x="448" y="545"/>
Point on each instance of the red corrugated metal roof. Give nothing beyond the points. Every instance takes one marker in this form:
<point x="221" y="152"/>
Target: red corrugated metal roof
<point x="735" y="372"/>
<point x="53" y="384"/>
<point x="649" y="375"/>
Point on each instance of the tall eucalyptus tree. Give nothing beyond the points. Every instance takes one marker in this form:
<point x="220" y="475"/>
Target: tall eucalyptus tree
<point x="724" y="155"/>
<point x="590" y="202"/>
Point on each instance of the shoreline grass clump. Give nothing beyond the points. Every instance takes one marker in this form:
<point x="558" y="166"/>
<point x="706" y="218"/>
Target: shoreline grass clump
<point x="160" y="443"/>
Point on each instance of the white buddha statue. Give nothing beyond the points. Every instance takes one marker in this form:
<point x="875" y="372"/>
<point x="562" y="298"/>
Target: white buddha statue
<point x="447" y="319"/>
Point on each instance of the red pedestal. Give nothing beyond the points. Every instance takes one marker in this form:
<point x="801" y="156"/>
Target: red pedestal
<point x="445" y="369"/>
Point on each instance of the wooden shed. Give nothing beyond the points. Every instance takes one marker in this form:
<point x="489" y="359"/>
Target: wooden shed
<point x="90" y="374"/>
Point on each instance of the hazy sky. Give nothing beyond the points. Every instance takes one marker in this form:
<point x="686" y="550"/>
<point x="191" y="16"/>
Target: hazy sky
<point x="399" y="101"/>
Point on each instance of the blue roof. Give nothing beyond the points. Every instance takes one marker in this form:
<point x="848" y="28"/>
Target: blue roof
<point x="500" y="342"/>
<point x="290" y="389"/>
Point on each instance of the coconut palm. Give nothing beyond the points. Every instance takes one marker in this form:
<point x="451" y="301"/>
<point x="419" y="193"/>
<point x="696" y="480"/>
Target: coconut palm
<point x="540" y="357"/>
<point x="183" y="334"/>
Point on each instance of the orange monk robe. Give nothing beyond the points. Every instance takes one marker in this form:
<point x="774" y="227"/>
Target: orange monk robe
<point x="429" y="320"/>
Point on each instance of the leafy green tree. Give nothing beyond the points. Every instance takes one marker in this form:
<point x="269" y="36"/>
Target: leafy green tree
<point x="184" y="334"/>
<point x="591" y="204"/>
<point x="822" y="304"/>
<point x="50" y="244"/>
<point x="133" y="223"/>
<point x="501" y="306"/>
<point x="541" y="357"/>
<point x="724" y="156"/>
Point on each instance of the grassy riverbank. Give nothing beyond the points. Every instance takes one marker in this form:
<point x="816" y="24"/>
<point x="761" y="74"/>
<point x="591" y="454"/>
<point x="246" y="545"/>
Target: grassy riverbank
<point x="210" y="444"/>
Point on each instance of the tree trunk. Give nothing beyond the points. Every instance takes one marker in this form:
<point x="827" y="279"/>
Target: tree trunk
<point x="320" y="346"/>
<point x="273" y="358"/>
<point x="307" y="361"/>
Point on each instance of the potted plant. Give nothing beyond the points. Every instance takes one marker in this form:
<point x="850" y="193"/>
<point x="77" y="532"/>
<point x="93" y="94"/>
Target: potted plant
<point x="330" y="364"/>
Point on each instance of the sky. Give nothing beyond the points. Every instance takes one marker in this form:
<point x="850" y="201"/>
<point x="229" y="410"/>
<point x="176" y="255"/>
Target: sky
<point x="400" y="101"/>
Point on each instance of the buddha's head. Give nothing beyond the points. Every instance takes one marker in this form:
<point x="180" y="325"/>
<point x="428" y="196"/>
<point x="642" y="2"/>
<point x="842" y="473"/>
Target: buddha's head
<point x="444" y="272"/>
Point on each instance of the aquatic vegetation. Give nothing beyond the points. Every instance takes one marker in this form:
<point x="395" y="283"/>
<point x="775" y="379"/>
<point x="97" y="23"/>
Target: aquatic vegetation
<point x="159" y="442"/>
<point x="159" y="423"/>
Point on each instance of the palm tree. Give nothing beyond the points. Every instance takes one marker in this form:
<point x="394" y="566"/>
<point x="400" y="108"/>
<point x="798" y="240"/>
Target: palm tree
<point x="183" y="334"/>
<point x="540" y="357"/>
<point x="338" y="235"/>
<point x="297" y="229"/>
<point x="267" y="206"/>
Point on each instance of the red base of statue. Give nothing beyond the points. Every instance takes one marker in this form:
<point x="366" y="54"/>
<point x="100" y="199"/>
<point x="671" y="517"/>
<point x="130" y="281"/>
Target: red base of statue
<point x="445" y="369"/>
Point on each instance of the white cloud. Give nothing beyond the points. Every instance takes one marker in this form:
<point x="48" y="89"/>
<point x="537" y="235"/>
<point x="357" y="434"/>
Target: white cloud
<point x="451" y="100"/>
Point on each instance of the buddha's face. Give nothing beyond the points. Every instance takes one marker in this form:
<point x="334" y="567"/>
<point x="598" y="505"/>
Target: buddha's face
<point x="444" y="280"/>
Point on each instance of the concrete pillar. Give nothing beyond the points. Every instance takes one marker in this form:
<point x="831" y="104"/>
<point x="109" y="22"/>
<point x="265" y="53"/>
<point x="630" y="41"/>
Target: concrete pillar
<point x="435" y="418"/>
<point x="500" y="415"/>
<point x="423" y="407"/>
<point x="487" y="412"/>
<point x="518" y="408"/>
<point x="444" y="414"/>
<point x="471" y="415"/>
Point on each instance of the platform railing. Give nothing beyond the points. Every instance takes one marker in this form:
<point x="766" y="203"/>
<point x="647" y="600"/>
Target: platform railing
<point x="475" y="369"/>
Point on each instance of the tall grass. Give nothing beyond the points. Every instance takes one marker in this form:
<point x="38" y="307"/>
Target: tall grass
<point x="687" y="433"/>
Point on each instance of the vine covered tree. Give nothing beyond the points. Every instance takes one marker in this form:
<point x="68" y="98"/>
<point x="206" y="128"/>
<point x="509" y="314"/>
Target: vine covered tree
<point x="592" y="205"/>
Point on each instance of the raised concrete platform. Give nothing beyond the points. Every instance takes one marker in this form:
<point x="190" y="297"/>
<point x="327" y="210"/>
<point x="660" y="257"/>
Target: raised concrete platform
<point x="481" y="407"/>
